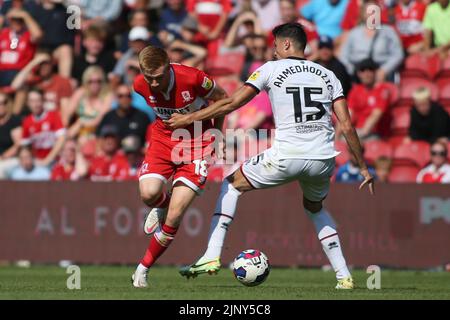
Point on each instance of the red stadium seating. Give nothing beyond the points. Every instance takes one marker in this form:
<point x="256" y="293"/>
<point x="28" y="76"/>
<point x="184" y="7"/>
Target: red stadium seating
<point x="344" y="156"/>
<point x="409" y="85"/>
<point x="416" y="152"/>
<point x="443" y="84"/>
<point x="226" y="64"/>
<point x="377" y="148"/>
<point x="229" y="84"/>
<point x="394" y="93"/>
<point x="419" y="65"/>
<point x="400" y="120"/>
<point x="445" y="68"/>
<point x="403" y="174"/>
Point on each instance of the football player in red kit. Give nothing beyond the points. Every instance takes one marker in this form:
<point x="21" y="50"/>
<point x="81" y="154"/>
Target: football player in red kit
<point x="170" y="88"/>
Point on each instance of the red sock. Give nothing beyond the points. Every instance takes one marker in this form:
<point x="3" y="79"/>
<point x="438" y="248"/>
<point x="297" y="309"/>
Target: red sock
<point x="158" y="244"/>
<point x="163" y="201"/>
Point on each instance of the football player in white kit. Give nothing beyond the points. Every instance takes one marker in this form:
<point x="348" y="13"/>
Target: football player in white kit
<point x="303" y="95"/>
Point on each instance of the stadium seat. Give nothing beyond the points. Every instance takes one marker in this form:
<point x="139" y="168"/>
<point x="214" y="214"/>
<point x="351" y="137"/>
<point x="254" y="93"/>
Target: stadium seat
<point x="416" y="152"/>
<point x="226" y="64"/>
<point x="445" y="68"/>
<point x="377" y="148"/>
<point x="443" y="84"/>
<point x="344" y="156"/>
<point x="229" y="84"/>
<point x="419" y="65"/>
<point x="409" y="85"/>
<point x="403" y="174"/>
<point x="394" y="93"/>
<point x="400" y="120"/>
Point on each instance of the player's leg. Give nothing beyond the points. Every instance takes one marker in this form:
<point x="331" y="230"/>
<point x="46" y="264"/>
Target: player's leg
<point x="182" y="197"/>
<point x="152" y="177"/>
<point x="232" y="187"/>
<point x="315" y="188"/>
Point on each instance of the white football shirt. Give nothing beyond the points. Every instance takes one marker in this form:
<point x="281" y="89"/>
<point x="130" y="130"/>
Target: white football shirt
<point x="302" y="94"/>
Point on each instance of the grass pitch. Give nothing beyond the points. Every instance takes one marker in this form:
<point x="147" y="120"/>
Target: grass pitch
<point x="113" y="282"/>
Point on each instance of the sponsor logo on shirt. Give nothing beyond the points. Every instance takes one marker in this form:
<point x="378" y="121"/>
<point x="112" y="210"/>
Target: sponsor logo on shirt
<point x="254" y="76"/>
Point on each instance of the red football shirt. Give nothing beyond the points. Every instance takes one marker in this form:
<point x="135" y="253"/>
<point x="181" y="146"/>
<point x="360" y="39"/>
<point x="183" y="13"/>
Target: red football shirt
<point x="41" y="132"/>
<point x="362" y="101"/>
<point x="208" y="11"/>
<point x="188" y="90"/>
<point x="103" y="168"/>
<point x="15" y="56"/>
<point x="62" y="173"/>
<point x="408" y="21"/>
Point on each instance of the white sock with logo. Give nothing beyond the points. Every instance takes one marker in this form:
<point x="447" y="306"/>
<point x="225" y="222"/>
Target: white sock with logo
<point x="327" y="234"/>
<point x="221" y="220"/>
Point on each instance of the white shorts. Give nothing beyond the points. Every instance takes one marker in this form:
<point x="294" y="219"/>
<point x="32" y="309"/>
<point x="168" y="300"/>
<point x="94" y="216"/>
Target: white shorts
<point x="266" y="170"/>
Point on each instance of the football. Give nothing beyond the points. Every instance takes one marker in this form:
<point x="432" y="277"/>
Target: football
<point x="251" y="267"/>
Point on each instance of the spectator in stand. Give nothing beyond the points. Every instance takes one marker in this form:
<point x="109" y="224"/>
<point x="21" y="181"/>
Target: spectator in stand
<point x="89" y="104"/>
<point x="383" y="167"/>
<point x="171" y="19"/>
<point x="327" y="59"/>
<point x="131" y="146"/>
<point x="93" y="53"/>
<point x="439" y="169"/>
<point x="268" y="13"/>
<point x="139" y="38"/>
<point x="71" y="165"/>
<point x="349" y="172"/>
<point x="10" y="135"/>
<point x="408" y="22"/>
<point x="381" y="45"/>
<point x="42" y="130"/>
<point x="127" y="119"/>
<point x="212" y="16"/>
<point x="186" y="53"/>
<point x="327" y="15"/>
<point x="52" y="16"/>
<point x="104" y="165"/>
<point x="17" y="44"/>
<point x="256" y="55"/>
<point x="289" y="13"/>
<point x="98" y="11"/>
<point x="28" y="169"/>
<point x="437" y="27"/>
<point x="40" y="73"/>
<point x="429" y="121"/>
<point x="256" y="114"/>
<point x="368" y="103"/>
<point x="138" y="18"/>
<point x="7" y="5"/>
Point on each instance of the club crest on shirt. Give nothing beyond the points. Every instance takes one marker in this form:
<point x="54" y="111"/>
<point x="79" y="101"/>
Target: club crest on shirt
<point x="207" y="83"/>
<point x="186" y="96"/>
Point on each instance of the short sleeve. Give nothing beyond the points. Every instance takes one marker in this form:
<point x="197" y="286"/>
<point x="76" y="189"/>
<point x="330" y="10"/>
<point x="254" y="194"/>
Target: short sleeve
<point x="338" y="92"/>
<point x="204" y="84"/>
<point x="58" y="126"/>
<point x="260" y="78"/>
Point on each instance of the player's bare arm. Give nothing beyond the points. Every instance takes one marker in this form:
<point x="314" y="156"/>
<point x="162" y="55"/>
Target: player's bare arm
<point x="218" y="109"/>
<point x="349" y="132"/>
<point x="216" y="95"/>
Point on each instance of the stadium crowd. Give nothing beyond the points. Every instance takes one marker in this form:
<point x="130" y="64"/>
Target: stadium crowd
<point x="68" y="110"/>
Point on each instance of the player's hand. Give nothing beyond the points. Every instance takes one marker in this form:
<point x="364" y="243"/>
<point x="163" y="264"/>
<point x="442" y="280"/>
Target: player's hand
<point x="177" y="121"/>
<point x="368" y="180"/>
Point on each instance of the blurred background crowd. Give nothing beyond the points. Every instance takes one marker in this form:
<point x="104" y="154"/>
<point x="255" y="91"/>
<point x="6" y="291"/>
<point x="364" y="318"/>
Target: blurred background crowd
<point x="68" y="110"/>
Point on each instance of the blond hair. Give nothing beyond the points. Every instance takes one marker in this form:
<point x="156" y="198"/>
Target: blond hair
<point x="151" y="58"/>
<point x="87" y="74"/>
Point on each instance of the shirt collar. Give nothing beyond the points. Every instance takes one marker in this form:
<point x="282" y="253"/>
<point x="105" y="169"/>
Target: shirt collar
<point x="171" y="83"/>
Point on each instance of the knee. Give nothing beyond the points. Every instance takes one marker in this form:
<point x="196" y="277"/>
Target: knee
<point x="149" y="194"/>
<point x="312" y="206"/>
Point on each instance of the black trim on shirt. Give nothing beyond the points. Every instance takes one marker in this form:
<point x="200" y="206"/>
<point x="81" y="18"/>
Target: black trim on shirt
<point x="296" y="58"/>
<point x="253" y="86"/>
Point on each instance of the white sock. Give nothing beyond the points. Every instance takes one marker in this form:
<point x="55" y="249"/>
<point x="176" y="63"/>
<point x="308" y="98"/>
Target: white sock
<point x="326" y="231"/>
<point x="141" y="268"/>
<point x="222" y="218"/>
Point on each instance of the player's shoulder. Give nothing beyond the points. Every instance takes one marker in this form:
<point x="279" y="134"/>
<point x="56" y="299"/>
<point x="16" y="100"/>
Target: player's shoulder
<point x="181" y="69"/>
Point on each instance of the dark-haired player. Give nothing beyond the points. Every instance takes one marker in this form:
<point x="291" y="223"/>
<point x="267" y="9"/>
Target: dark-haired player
<point x="303" y="95"/>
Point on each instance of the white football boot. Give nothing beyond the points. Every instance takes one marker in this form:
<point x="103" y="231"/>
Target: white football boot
<point x="139" y="279"/>
<point x="154" y="219"/>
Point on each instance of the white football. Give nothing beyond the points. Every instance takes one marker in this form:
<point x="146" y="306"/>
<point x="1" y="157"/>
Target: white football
<point x="251" y="267"/>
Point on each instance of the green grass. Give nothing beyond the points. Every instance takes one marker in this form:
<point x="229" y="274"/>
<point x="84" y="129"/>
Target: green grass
<point x="113" y="282"/>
